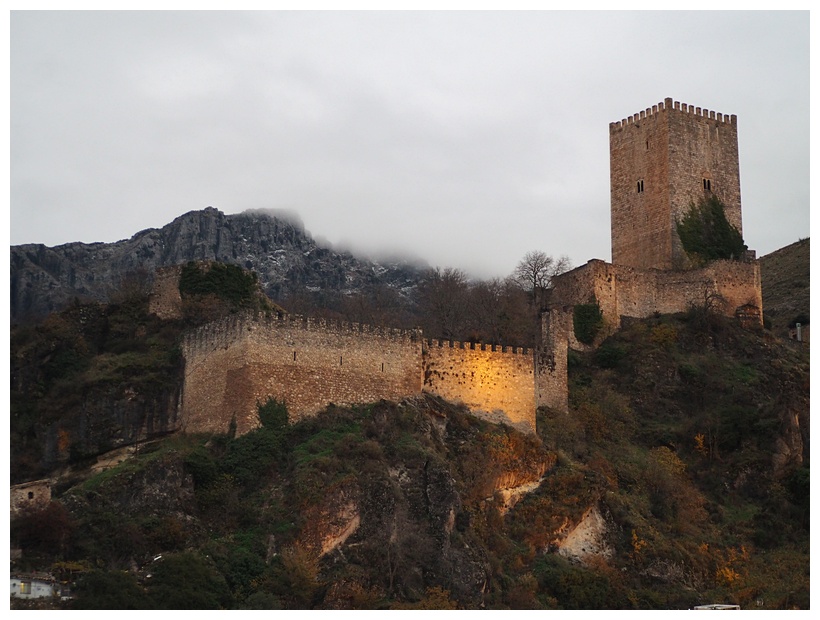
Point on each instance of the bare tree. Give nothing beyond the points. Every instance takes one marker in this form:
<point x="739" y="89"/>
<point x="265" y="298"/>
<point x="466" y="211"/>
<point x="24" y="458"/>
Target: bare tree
<point x="442" y="301"/>
<point x="535" y="272"/>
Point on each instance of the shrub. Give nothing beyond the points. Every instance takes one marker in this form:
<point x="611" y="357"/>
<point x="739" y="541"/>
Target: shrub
<point x="187" y="581"/>
<point x="664" y="335"/>
<point x="707" y="235"/>
<point x="587" y="321"/>
<point x="273" y="414"/>
<point x="227" y="282"/>
<point x="609" y="355"/>
<point x="110" y="590"/>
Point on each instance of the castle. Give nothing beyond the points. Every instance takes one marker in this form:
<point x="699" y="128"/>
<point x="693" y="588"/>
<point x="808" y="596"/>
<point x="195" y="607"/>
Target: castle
<point x="661" y="160"/>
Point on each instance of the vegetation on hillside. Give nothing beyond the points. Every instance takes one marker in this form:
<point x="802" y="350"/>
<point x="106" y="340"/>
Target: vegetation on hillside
<point x="676" y="432"/>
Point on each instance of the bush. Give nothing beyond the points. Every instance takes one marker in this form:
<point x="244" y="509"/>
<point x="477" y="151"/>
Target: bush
<point x="707" y="235"/>
<point x="110" y="590"/>
<point x="187" y="581"/>
<point x="609" y="355"/>
<point x="227" y="282"/>
<point x="273" y="414"/>
<point x="587" y="321"/>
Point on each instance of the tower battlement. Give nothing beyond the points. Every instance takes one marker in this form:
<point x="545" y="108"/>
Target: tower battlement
<point x="668" y="104"/>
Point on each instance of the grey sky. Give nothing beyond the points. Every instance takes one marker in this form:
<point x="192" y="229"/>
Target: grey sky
<point x="465" y="139"/>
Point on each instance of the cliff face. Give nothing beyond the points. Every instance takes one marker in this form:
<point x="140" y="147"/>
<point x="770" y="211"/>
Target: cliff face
<point x="285" y="257"/>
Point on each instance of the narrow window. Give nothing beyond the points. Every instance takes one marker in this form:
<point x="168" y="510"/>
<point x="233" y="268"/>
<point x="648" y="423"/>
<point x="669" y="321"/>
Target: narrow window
<point x="707" y="185"/>
<point x="640" y="186"/>
<point x="382" y="366"/>
<point x="294" y="356"/>
<point x="340" y="360"/>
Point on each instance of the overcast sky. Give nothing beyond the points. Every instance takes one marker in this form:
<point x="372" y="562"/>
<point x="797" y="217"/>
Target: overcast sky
<point x="465" y="139"/>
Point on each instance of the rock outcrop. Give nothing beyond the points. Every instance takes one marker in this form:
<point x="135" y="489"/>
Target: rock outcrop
<point x="281" y="252"/>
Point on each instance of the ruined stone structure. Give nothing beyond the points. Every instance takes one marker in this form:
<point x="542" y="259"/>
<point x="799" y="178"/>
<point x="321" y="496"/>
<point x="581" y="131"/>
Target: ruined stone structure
<point x="662" y="160"/>
<point x="234" y="364"/>
<point x="34" y="495"/>
<point x="165" y="300"/>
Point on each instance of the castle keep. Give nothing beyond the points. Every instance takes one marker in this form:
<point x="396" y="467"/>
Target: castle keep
<point x="662" y="160"/>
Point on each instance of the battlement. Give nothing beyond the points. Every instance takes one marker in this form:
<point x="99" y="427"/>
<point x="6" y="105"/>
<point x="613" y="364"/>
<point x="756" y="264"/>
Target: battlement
<point x="228" y="330"/>
<point x="668" y="104"/>
<point x="430" y="343"/>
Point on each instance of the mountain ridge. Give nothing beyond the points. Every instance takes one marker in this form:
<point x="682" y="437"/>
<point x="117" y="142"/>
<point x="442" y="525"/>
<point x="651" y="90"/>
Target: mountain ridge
<point x="285" y="256"/>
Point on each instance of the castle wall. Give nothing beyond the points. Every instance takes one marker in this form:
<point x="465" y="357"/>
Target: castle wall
<point x="628" y="291"/>
<point x="659" y="159"/>
<point x="731" y="288"/>
<point x="234" y="364"/>
<point x="496" y="383"/>
<point x="551" y="389"/>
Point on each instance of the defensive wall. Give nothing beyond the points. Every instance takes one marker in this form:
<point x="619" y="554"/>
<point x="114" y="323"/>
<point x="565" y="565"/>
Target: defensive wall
<point x="729" y="287"/>
<point x="497" y="383"/>
<point x="233" y="364"/>
<point x="661" y="160"/>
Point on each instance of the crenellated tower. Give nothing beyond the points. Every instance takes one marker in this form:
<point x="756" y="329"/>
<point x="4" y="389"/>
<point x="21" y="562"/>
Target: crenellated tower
<point x="663" y="159"/>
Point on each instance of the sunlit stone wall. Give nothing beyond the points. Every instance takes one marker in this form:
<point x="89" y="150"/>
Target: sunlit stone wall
<point x="496" y="383"/>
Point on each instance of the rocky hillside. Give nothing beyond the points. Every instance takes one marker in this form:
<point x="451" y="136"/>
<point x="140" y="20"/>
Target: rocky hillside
<point x="680" y="477"/>
<point x="283" y="255"/>
<point x="785" y="281"/>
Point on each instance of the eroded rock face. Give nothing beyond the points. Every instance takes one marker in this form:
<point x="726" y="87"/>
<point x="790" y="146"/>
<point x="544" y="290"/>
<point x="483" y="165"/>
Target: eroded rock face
<point x="332" y="522"/>
<point x="407" y="514"/>
<point x="788" y="448"/>
<point x="587" y="539"/>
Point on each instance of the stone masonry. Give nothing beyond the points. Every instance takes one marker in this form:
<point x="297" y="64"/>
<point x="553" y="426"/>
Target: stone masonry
<point x="234" y="364"/>
<point x="662" y="160"/>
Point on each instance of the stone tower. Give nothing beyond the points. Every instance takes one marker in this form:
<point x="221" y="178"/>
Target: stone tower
<point x="661" y="160"/>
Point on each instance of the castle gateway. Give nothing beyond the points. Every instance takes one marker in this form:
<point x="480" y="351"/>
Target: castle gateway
<point x="662" y="160"/>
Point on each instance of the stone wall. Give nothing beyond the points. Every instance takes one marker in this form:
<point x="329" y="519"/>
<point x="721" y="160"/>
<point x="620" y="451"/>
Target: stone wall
<point x="233" y="364"/>
<point x="660" y="160"/>
<point x="627" y="291"/>
<point x="551" y="359"/>
<point x="496" y="383"/>
<point x="731" y="288"/>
